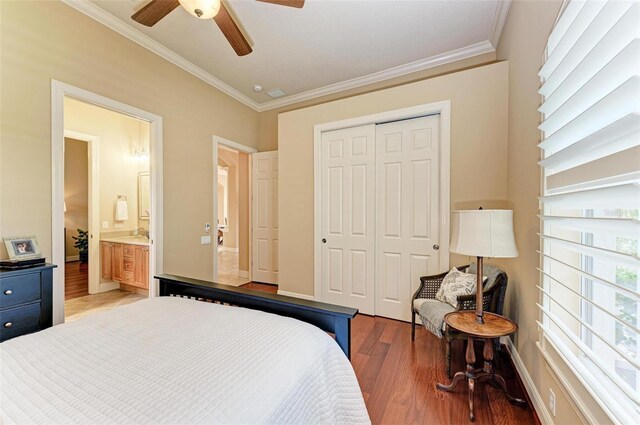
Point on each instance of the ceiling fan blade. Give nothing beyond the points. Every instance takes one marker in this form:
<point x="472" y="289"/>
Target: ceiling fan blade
<point x="291" y="3"/>
<point x="151" y="13"/>
<point x="232" y="32"/>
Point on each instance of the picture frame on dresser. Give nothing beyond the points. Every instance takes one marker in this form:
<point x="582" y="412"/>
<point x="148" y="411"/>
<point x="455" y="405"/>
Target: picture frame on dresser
<point x="22" y="247"/>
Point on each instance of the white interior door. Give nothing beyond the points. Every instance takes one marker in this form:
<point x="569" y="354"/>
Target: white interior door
<point x="265" y="217"/>
<point x="407" y="211"/>
<point x="348" y="217"/>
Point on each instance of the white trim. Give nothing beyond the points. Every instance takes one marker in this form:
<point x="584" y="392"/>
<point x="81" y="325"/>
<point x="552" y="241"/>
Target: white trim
<point x="444" y="109"/>
<point x="58" y="92"/>
<point x="499" y="19"/>
<point x="216" y="142"/>
<point x="110" y="21"/>
<point x="398" y="71"/>
<point x="296" y="295"/>
<point x="108" y="286"/>
<point x="530" y="387"/>
<point x="93" y="219"/>
<point x="107" y="19"/>
<point x="72" y="258"/>
<point x="582" y="408"/>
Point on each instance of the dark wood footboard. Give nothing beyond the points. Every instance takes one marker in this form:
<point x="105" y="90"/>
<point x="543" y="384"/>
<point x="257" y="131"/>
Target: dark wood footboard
<point x="328" y="317"/>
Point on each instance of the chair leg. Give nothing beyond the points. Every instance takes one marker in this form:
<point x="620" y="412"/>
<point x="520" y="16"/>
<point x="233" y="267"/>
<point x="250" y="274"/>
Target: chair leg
<point x="413" y="325"/>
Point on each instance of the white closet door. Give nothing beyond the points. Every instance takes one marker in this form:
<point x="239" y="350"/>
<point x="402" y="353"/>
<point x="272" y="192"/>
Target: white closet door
<point x="265" y="217"/>
<point x="407" y="211"/>
<point x="348" y="217"/>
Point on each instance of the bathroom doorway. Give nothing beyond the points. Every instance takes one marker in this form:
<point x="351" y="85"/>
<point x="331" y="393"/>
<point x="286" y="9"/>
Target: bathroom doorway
<point x="232" y="212"/>
<point x="123" y="246"/>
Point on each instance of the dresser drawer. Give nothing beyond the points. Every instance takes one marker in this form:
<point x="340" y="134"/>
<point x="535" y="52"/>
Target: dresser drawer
<point x="19" y="290"/>
<point x="128" y="265"/>
<point x="19" y="321"/>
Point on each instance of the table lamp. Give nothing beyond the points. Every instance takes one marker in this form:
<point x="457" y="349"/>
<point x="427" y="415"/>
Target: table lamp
<point x="482" y="233"/>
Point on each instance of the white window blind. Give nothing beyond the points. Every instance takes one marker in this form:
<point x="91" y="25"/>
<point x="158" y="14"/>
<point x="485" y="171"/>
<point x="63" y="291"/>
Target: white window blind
<point x="589" y="262"/>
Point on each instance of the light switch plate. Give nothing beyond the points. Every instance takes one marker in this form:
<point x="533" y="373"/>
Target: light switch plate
<point x="105" y="224"/>
<point x="204" y="240"/>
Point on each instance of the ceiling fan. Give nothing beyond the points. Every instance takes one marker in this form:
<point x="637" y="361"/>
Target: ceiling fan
<point x="155" y="10"/>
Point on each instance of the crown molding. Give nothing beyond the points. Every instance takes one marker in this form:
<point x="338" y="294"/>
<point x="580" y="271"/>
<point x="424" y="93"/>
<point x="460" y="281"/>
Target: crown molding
<point x="499" y="19"/>
<point x="91" y="10"/>
<point x="107" y="19"/>
<point x="398" y="71"/>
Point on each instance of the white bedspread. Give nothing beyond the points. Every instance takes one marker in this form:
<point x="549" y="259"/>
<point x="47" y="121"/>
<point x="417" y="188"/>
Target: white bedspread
<point x="171" y="360"/>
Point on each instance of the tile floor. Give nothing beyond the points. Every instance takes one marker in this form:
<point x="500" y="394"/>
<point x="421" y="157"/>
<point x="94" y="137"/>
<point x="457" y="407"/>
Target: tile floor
<point x="76" y="308"/>
<point x="228" y="269"/>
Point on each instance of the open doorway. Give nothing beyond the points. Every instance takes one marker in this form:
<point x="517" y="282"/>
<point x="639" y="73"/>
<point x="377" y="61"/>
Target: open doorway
<point x="125" y="157"/>
<point x="107" y="208"/>
<point x="232" y="213"/>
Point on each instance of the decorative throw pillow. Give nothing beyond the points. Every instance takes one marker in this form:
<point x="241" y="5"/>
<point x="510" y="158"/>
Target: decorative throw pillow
<point x="454" y="284"/>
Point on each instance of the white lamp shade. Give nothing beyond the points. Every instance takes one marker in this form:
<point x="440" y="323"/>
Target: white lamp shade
<point x="483" y="233"/>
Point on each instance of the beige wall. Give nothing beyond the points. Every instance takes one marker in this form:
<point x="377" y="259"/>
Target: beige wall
<point x="243" y="211"/>
<point x="522" y="44"/>
<point x="120" y="137"/>
<point x="76" y="191"/>
<point x="268" y="120"/>
<point x="44" y="40"/>
<point x="231" y="159"/>
<point x="479" y="99"/>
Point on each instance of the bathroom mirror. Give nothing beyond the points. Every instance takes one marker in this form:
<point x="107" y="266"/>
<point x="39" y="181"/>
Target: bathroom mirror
<point x="144" y="195"/>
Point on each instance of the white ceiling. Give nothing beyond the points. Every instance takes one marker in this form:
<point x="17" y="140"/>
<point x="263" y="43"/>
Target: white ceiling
<point x="325" y="47"/>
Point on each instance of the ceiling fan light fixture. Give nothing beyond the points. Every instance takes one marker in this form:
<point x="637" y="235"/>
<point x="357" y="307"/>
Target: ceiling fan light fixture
<point x="203" y="9"/>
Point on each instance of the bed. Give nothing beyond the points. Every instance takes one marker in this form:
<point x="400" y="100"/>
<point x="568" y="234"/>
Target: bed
<point x="176" y="360"/>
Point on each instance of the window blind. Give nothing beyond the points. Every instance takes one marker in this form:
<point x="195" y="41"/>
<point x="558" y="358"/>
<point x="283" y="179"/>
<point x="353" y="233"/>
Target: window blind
<point x="589" y="263"/>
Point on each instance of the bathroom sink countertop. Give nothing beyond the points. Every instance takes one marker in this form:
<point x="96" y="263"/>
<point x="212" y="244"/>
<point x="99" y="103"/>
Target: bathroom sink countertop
<point x="131" y="240"/>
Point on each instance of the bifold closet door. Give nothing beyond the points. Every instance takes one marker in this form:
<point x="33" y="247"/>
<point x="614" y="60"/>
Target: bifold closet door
<point x="265" y="217"/>
<point x="407" y="211"/>
<point x="348" y="217"/>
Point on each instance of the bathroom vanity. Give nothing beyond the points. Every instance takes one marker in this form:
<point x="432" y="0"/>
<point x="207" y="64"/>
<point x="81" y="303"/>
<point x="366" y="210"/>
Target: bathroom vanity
<point x="126" y="260"/>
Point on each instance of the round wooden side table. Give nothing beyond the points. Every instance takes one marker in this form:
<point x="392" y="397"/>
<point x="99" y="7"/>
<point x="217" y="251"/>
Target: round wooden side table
<point x="494" y="326"/>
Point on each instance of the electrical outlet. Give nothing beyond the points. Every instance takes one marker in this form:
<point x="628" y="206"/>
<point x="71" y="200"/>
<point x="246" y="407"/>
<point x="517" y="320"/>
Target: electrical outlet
<point x="105" y="224"/>
<point x="552" y="402"/>
<point x="204" y="240"/>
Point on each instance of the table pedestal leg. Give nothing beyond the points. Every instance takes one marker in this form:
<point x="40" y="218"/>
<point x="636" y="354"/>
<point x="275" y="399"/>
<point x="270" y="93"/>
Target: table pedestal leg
<point x="470" y="357"/>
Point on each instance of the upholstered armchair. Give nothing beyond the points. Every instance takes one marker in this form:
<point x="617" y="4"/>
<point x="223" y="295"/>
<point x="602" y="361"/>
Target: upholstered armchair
<point x="432" y="311"/>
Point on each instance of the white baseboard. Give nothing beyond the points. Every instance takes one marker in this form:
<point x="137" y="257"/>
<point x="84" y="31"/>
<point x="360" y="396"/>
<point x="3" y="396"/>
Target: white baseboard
<point x="243" y="274"/>
<point x="296" y="295"/>
<point x="228" y="249"/>
<point x="538" y="403"/>
<point x="72" y="258"/>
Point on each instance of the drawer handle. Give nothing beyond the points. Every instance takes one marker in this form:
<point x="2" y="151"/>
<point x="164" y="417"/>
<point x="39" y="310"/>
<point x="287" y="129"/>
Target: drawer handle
<point x="8" y="325"/>
<point x="8" y="292"/>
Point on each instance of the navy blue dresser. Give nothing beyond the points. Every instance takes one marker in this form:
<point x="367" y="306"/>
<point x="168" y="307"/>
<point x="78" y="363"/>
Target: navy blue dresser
<point x="25" y="300"/>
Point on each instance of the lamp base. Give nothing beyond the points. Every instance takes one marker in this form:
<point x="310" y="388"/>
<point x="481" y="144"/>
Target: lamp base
<point x="479" y="291"/>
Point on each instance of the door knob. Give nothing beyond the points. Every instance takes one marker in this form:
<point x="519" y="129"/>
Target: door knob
<point x="436" y="247"/>
<point x="324" y="240"/>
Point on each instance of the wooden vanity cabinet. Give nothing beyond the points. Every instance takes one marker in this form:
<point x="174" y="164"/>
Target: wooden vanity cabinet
<point x="125" y="263"/>
<point x="116" y="273"/>
<point x="106" y="260"/>
<point x="141" y="267"/>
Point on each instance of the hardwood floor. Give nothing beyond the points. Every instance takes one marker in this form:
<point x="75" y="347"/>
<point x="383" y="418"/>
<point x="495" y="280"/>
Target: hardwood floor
<point x="398" y="377"/>
<point x="264" y="287"/>
<point x="76" y="280"/>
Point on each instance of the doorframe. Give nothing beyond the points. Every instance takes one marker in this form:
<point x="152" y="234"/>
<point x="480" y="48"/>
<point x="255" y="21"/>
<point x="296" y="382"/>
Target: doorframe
<point x="58" y="92"/>
<point x="218" y="141"/>
<point x="443" y="108"/>
<point x="93" y="152"/>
